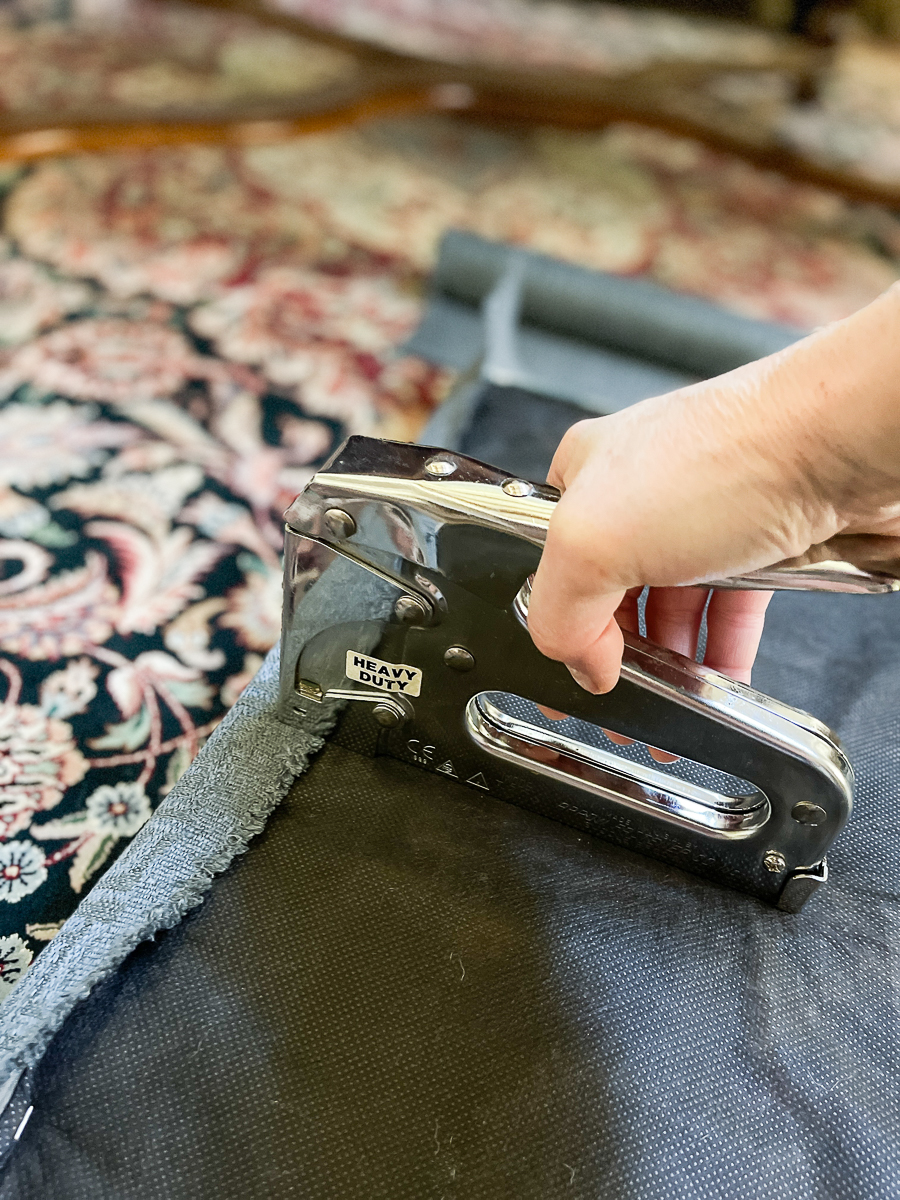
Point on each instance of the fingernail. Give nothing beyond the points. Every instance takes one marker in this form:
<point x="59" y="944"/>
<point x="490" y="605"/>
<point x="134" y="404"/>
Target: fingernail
<point x="582" y="680"/>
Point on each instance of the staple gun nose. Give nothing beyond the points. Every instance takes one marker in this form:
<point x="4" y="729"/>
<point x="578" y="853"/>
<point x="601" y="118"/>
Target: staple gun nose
<point x="406" y="604"/>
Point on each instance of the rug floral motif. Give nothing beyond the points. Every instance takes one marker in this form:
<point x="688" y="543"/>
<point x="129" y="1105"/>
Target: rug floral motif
<point x="143" y="473"/>
<point x="146" y="55"/>
<point x="185" y="334"/>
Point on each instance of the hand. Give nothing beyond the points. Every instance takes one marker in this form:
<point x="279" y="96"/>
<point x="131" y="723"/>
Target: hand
<point x="714" y="480"/>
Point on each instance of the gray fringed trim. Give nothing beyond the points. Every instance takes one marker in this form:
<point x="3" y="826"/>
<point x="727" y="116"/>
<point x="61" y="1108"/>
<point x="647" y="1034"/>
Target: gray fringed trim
<point x="209" y="817"/>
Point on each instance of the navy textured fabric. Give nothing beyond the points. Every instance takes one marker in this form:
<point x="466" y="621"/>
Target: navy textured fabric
<point x="407" y="989"/>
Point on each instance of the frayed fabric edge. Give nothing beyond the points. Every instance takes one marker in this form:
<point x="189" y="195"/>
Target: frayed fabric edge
<point x="161" y="876"/>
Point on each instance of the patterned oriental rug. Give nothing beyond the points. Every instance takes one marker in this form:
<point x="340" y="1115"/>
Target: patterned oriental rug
<point x="186" y="334"/>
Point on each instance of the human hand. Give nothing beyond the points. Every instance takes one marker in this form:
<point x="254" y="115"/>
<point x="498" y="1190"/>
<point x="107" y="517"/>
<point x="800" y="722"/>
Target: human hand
<point x="714" y="480"/>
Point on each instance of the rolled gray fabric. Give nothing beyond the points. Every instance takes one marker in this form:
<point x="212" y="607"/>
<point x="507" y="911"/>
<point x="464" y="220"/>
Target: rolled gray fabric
<point x="535" y="326"/>
<point x="632" y="316"/>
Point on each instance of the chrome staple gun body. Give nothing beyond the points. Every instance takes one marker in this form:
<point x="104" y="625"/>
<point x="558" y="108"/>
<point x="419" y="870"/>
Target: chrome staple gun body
<point x="426" y="556"/>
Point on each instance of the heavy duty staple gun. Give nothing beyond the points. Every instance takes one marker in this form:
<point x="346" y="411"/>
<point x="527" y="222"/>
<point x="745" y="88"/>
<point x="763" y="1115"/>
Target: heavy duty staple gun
<point x="430" y="654"/>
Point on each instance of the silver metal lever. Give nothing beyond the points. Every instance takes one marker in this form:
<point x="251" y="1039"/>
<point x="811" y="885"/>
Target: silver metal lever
<point x="607" y="776"/>
<point x="447" y="488"/>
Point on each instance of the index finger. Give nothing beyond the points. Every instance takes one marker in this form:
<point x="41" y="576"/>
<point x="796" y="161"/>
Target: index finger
<point x="734" y="622"/>
<point x="568" y="619"/>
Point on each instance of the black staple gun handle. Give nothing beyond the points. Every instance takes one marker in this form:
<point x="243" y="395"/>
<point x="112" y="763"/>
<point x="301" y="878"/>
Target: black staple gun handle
<point x="406" y="597"/>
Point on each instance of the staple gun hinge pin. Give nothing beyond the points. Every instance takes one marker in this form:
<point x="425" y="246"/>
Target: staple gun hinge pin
<point x="308" y="690"/>
<point x="517" y="487"/>
<point x="411" y="610"/>
<point x="386" y="716"/>
<point x="339" y="523"/>
<point x="440" y="466"/>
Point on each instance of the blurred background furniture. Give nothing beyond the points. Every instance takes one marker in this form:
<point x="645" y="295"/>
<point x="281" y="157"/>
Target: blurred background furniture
<point x="796" y="86"/>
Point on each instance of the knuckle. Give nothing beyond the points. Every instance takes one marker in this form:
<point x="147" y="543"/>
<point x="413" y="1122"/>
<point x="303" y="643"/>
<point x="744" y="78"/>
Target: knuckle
<point x="547" y="636"/>
<point x="570" y="450"/>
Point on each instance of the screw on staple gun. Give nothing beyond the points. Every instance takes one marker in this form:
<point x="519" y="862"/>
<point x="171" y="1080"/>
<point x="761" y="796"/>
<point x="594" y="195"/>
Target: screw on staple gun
<point x="406" y="592"/>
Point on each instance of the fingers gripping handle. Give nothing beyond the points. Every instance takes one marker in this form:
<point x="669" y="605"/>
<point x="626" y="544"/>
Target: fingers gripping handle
<point x="455" y="489"/>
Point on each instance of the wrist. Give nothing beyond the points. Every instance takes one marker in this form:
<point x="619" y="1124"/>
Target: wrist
<point x="841" y="391"/>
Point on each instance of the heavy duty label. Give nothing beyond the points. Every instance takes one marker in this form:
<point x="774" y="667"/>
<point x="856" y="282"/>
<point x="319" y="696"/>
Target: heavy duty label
<point x="390" y="677"/>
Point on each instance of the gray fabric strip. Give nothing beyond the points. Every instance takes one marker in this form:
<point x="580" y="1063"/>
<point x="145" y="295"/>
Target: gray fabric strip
<point x="633" y="317"/>
<point x="207" y="819"/>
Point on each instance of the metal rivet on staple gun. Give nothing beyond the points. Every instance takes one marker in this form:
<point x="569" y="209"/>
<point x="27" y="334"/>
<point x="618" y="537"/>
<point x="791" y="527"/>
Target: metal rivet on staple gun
<point x="774" y="862"/>
<point x="411" y="610"/>
<point x="459" y="658"/>
<point x="441" y="466"/>
<point x="807" y="813"/>
<point x="386" y="715"/>
<point x="517" y="487"/>
<point x="339" y="523"/>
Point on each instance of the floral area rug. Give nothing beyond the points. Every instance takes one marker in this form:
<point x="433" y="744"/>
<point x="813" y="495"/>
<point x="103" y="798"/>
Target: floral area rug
<point x="186" y="334"/>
